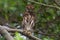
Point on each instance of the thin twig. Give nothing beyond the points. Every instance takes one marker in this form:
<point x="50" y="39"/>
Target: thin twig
<point x="45" y="4"/>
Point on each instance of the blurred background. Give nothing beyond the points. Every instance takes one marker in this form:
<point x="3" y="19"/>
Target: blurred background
<point x="47" y="22"/>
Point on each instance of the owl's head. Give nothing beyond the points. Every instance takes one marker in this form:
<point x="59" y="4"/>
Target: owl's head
<point x="29" y="7"/>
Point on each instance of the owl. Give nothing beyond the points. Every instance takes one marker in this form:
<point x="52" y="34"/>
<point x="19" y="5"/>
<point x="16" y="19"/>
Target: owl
<point x="28" y="19"/>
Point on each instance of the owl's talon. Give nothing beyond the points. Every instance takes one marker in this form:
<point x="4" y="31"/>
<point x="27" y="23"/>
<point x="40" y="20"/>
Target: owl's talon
<point x="27" y="32"/>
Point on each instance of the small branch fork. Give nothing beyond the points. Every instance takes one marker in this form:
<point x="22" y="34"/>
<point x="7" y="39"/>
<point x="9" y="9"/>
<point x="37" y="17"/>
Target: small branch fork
<point x="4" y="31"/>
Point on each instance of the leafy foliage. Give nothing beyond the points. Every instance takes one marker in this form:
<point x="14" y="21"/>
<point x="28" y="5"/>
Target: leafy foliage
<point x="47" y="21"/>
<point x="18" y="36"/>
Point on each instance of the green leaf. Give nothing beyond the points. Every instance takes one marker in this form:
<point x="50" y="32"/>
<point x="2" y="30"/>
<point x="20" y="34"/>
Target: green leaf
<point x="40" y="1"/>
<point x="6" y="16"/>
<point x="18" y="36"/>
<point x="58" y="12"/>
<point x="51" y="11"/>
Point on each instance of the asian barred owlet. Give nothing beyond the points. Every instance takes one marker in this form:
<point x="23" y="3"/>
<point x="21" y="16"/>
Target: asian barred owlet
<point x="28" y="18"/>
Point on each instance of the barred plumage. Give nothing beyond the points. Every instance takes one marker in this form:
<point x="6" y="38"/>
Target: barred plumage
<point x="28" y="18"/>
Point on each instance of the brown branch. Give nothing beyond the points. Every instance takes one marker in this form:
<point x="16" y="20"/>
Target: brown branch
<point x="21" y="31"/>
<point x="45" y="4"/>
<point x="5" y="33"/>
<point x="45" y="34"/>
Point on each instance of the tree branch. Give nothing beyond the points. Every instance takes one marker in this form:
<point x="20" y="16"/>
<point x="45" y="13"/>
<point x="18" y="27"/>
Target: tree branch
<point x="21" y="31"/>
<point x="45" y="4"/>
<point x="5" y="33"/>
